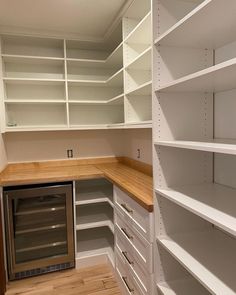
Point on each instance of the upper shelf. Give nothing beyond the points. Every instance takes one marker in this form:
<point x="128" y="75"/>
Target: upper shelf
<point x="214" y="203"/>
<point x="144" y="89"/>
<point x="142" y="61"/>
<point x="115" y="59"/>
<point x="227" y="147"/>
<point x="217" y="78"/>
<point x="206" y="26"/>
<point x="115" y="80"/>
<point x="141" y="33"/>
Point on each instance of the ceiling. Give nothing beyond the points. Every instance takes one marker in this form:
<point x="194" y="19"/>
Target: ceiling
<point x="85" y="18"/>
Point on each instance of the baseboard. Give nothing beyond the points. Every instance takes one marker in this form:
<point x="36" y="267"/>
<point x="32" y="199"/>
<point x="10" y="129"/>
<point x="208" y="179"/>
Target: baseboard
<point x="88" y="261"/>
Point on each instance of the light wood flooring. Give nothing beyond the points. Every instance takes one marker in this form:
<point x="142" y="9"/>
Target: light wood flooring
<point x="96" y="280"/>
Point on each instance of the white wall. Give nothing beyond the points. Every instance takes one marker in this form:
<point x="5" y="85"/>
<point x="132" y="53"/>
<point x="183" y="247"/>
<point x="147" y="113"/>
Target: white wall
<point x="38" y="146"/>
<point x="138" y="139"/>
<point x="3" y="157"/>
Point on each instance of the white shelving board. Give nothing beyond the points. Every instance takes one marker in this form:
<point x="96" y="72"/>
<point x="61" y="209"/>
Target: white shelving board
<point x="181" y="287"/>
<point x="214" y="79"/>
<point x="204" y="22"/>
<point x="93" y="194"/>
<point x="212" y="202"/>
<point x="215" y="147"/>
<point x="79" y="73"/>
<point x="194" y="80"/>
<point x="201" y="253"/>
<point x="93" y="242"/>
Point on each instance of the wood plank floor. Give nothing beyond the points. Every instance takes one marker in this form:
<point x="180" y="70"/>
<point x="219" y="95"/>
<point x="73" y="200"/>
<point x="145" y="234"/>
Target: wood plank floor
<point x="96" y="280"/>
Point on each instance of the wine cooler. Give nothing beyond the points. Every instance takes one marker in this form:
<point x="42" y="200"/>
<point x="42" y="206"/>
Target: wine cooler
<point x="39" y="229"/>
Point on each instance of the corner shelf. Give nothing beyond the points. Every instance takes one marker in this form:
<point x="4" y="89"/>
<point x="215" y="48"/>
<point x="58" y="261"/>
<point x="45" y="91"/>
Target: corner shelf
<point x="144" y="89"/>
<point x="141" y="33"/>
<point x="95" y="242"/>
<point x="82" y="75"/>
<point x="94" y="215"/>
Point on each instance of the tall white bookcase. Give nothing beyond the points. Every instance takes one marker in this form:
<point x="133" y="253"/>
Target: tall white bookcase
<point x="59" y="84"/>
<point x="194" y="103"/>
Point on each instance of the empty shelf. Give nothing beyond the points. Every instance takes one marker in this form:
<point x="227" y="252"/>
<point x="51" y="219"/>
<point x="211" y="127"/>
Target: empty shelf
<point x="94" y="215"/>
<point x="142" y="32"/>
<point x="215" y="147"/>
<point x="201" y="28"/>
<point x="217" y="78"/>
<point x="213" y="202"/>
<point x="144" y="89"/>
<point x="201" y="254"/>
<point x="92" y="242"/>
<point x="181" y="287"/>
<point x="94" y="194"/>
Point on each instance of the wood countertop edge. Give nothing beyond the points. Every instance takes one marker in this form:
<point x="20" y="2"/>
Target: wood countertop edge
<point x="138" y="197"/>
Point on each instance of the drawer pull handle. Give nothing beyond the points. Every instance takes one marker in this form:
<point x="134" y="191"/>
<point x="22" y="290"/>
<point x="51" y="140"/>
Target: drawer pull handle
<point x="127" y="209"/>
<point x="127" y="234"/>
<point x="131" y="290"/>
<point x="125" y="254"/>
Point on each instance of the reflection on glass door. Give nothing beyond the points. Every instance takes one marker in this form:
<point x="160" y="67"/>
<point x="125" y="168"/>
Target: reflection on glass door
<point x="40" y="227"/>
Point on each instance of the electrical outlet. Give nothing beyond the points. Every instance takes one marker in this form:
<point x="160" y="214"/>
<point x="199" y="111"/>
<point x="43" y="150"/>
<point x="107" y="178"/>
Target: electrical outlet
<point x="138" y="153"/>
<point x="70" y="154"/>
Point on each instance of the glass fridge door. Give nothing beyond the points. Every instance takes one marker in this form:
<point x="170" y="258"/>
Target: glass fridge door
<point x="40" y="226"/>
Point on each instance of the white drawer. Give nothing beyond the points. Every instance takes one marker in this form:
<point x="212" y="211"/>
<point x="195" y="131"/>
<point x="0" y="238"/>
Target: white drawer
<point x="142" y="275"/>
<point x="134" y="214"/>
<point x="129" y="284"/>
<point x="139" y="246"/>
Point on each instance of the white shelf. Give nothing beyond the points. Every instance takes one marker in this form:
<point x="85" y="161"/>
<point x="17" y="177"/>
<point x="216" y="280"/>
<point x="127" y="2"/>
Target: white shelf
<point x="212" y="202"/>
<point x="34" y="101"/>
<point x="96" y="224"/>
<point x="88" y="127"/>
<point x="141" y="33"/>
<point x="142" y="61"/>
<point x="143" y="124"/>
<point x="32" y="80"/>
<point x="97" y="241"/>
<point x="94" y="215"/>
<point x="201" y="28"/>
<point x="113" y="60"/>
<point x="115" y="80"/>
<point x="181" y="287"/>
<point x="93" y="193"/>
<point x="208" y="256"/>
<point x="85" y="102"/>
<point x="144" y="89"/>
<point x="29" y="58"/>
<point x="214" y="79"/>
<point x="119" y="99"/>
<point x="214" y="147"/>
<point x="36" y="128"/>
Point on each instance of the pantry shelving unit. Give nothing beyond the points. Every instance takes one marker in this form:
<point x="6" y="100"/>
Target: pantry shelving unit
<point x="94" y="227"/>
<point x="194" y="90"/>
<point x="60" y="84"/>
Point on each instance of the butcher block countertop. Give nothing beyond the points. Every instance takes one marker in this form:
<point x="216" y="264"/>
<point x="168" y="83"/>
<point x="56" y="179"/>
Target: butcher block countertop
<point x="131" y="176"/>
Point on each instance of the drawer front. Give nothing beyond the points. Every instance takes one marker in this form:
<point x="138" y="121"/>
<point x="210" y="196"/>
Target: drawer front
<point x="129" y="284"/>
<point x="141" y="248"/>
<point x="134" y="214"/>
<point x="136" y="270"/>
